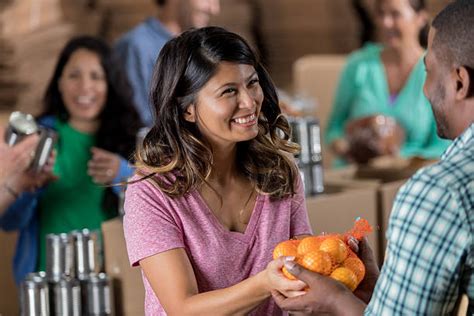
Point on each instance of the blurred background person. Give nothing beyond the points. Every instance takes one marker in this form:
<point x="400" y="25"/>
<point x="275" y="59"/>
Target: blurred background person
<point x="139" y="48"/>
<point x="89" y="103"/>
<point x="388" y="79"/>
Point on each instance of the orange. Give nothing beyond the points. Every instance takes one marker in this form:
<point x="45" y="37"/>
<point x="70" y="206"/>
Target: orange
<point x="308" y="244"/>
<point x="346" y="277"/>
<point x="336" y="248"/>
<point x="357" y="266"/>
<point x="317" y="261"/>
<point x="286" y="248"/>
<point x="287" y="274"/>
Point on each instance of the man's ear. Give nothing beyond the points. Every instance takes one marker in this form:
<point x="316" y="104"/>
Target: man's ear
<point x="463" y="83"/>
<point x="190" y="113"/>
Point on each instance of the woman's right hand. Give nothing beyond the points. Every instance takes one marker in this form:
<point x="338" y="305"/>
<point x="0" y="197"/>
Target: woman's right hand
<point x="277" y="281"/>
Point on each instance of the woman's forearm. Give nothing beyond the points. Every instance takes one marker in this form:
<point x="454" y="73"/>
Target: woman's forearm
<point x="238" y="299"/>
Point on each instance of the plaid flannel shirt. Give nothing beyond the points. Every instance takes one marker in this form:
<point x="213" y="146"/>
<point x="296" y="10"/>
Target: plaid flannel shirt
<point x="430" y="255"/>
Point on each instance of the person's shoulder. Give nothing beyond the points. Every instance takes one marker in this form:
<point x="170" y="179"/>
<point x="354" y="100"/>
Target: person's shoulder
<point x="133" y="37"/>
<point x="452" y="174"/>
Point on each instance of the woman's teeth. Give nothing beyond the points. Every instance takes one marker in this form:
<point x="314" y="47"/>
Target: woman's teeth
<point x="84" y="100"/>
<point x="244" y="120"/>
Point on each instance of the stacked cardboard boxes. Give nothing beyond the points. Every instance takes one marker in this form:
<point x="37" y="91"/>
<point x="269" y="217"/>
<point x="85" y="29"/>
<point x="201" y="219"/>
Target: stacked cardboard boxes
<point x="386" y="178"/>
<point x="295" y="28"/>
<point x="32" y="32"/>
<point x="336" y="210"/>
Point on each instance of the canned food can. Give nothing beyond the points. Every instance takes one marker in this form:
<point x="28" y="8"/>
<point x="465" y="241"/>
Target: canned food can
<point x="19" y="126"/>
<point x="317" y="179"/>
<point x="66" y="297"/>
<point x="59" y="256"/>
<point x="97" y="295"/>
<point x="43" y="150"/>
<point x="87" y="251"/>
<point x="34" y="295"/>
<point x="306" y="133"/>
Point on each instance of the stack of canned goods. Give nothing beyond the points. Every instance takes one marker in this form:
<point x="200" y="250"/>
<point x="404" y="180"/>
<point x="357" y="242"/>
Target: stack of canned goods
<point x="306" y="132"/>
<point x="72" y="284"/>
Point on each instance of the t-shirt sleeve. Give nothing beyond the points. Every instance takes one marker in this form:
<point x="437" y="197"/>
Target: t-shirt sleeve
<point x="149" y="225"/>
<point x="299" y="215"/>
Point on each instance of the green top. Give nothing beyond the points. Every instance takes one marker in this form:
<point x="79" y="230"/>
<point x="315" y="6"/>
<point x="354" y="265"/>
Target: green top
<point x="363" y="91"/>
<point x="73" y="201"/>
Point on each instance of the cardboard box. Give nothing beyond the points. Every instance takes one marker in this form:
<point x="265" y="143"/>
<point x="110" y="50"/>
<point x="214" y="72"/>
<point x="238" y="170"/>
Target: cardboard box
<point x="317" y="76"/>
<point x="386" y="178"/>
<point x="9" y="300"/>
<point x="129" y="293"/>
<point x="336" y="210"/>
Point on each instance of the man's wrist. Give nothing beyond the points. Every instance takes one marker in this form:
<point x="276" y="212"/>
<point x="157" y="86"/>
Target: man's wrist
<point x="346" y="303"/>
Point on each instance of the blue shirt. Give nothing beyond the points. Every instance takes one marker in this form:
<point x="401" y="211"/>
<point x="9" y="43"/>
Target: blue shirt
<point x="139" y="49"/>
<point x="430" y="254"/>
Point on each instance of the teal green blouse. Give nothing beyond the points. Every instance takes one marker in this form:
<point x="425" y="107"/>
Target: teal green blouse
<point x="363" y="90"/>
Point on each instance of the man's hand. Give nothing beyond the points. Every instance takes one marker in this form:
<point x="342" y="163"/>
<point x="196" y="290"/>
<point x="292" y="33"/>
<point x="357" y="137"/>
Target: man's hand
<point x="325" y="295"/>
<point x="366" y="287"/>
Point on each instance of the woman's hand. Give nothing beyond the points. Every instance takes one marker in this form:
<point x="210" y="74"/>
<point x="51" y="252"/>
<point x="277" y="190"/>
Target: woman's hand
<point x="277" y="281"/>
<point x="103" y="166"/>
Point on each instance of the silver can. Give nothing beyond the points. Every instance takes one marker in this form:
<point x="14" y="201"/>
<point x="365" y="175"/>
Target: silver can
<point x="306" y="132"/>
<point x="46" y="143"/>
<point x="306" y="179"/>
<point x="59" y="256"/>
<point x="97" y="295"/>
<point x="315" y="141"/>
<point x="317" y="179"/>
<point x="313" y="181"/>
<point x="66" y="297"/>
<point x="34" y="295"/>
<point x="19" y="126"/>
<point x="87" y="250"/>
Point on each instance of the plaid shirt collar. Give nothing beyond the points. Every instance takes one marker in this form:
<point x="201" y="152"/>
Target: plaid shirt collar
<point x="460" y="142"/>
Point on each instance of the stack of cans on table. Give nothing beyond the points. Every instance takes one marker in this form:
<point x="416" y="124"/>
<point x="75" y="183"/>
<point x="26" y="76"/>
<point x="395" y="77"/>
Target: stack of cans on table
<point x="72" y="284"/>
<point x="306" y="132"/>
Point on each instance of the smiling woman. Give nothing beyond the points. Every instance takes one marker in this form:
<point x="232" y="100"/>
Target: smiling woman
<point x="217" y="187"/>
<point x="387" y="79"/>
<point x="88" y="102"/>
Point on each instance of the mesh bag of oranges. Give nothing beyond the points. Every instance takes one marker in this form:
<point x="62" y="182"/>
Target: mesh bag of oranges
<point x="328" y="254"/>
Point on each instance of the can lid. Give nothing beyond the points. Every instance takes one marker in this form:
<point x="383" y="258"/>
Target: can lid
<point x="22" y="122"/>
<point x="35" y="279"/>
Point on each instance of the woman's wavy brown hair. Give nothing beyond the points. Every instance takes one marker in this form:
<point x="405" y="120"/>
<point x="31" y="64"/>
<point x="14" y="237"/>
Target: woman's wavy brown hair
<point x="174" y="148"/>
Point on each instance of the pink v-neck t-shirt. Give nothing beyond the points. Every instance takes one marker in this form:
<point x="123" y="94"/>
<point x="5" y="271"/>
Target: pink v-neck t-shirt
<point x="155" y="223"/>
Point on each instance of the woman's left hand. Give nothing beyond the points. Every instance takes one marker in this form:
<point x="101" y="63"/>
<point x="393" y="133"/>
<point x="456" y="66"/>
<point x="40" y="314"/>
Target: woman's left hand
<point x="103" y="166"/>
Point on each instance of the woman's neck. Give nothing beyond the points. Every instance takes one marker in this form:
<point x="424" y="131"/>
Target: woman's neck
<point x="88" y="127"/>
<point x="224" y="169"/>
<point x="403" y="55"/>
